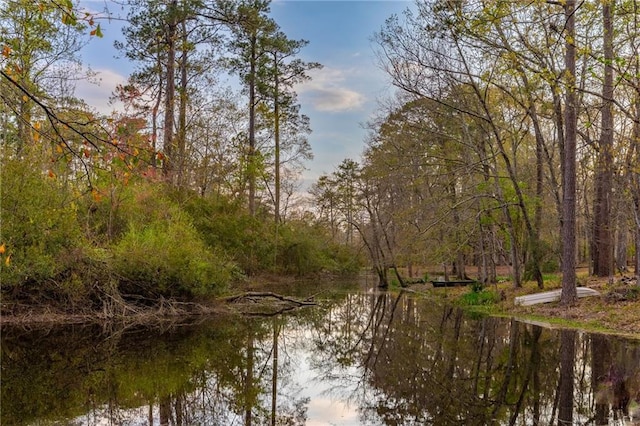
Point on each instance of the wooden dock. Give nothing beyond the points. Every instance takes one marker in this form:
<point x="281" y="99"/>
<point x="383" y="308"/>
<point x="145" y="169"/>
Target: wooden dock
<point x="552" y="296"/>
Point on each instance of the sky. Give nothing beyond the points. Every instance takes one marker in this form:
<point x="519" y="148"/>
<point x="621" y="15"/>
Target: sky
<point x="340" y="98"/>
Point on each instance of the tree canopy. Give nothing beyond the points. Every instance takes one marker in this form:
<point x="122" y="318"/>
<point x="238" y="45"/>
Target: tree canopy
<point x="173" y="196"/>
<point x="508" y="142"/>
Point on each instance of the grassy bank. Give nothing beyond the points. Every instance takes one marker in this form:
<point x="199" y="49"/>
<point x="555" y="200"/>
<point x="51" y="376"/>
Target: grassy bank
<point x="615" y="311"/>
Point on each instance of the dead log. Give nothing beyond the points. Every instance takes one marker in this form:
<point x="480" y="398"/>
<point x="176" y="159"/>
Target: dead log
<point x="253" y="295"/>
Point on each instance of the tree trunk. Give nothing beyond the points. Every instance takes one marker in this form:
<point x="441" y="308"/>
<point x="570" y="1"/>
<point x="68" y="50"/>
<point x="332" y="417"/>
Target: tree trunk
<point x="486" y="264"/>
<point x="636" y="266"/>
<point x="168" y="140"/>
<point x="634" y="181"/>
<point x="251" y="154"/>
<point x="635" y="187"/>
<point x="496" y="134"/>
<point x="401" y="280"/>
<point x="383" y="278"/>
<point x="487" y="240"/>
<point x="558" y="118"/>
<point x="154" y="114"/>
<point x="621" y="243"/>
<point x="458" y="261"/>
<point x="515" y="257"/>
<point x="24" y="123"/>
<point x="182" y="113"/>
<point x="569" y="292"/>
<point x="602" y="230"/>
<point x="249" y="385"/>
<point x="600" y="360"/>
<point x="565" y="388"/>
<point x="533" y="230"/>
<point x="535" y="237"/>
<point x="179" y="409"/>
<point x="164" y="410"/>
<point x="274" y="373"/>
<point x="276" y="130"/>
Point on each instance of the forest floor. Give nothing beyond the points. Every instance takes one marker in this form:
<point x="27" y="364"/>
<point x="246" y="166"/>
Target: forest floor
<point x="615" y="311"/>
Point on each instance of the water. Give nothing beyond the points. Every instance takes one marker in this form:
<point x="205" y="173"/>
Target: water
<point x="357" y="359"/>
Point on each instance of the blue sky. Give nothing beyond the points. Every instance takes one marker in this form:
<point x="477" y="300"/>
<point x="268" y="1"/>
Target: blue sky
<point x="339" y="99"/>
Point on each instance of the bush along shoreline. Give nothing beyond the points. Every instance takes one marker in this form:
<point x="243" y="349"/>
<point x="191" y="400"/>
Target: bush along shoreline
<point x="141" y="248"/>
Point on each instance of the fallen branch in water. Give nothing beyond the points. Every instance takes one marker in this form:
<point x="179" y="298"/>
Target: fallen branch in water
<point x="252" y="296"/>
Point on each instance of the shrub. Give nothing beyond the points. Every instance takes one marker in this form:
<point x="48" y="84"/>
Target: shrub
<point x="109" y="215"/>
<point x="257" y="245"/>
<point x="40" y="230"/>
<point x="225" y="225"/>
<point x="482" y="297"/>
<point x="306" y="249"/>
<point x="167" y="258"/>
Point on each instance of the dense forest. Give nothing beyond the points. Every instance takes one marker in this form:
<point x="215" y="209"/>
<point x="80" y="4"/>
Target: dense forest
<point x="187" y="191"/>
<point x="514" y="139"/>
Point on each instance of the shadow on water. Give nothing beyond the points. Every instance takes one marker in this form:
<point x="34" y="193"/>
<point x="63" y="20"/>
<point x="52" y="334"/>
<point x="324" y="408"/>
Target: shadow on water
<point x="358" y="358"/>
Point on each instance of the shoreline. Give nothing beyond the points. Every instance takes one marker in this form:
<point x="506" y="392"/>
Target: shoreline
<point x="598" y="314"/>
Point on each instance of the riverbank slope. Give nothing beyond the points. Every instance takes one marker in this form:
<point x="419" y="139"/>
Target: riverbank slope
<point x="616" y="310"/>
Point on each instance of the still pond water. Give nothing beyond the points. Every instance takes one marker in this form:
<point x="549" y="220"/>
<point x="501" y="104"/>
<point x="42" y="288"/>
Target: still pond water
<point x="360" y="358"/>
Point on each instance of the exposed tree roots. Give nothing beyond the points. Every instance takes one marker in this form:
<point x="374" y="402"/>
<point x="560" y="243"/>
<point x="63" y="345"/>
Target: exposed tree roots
<point x="113" y="307"/>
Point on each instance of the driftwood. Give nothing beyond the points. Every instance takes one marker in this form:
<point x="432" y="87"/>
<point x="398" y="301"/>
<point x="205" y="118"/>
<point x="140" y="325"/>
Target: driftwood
<point x="254" y="296"/>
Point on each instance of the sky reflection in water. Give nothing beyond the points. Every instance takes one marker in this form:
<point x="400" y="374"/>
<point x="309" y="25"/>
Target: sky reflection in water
<point x="361" y="358"/>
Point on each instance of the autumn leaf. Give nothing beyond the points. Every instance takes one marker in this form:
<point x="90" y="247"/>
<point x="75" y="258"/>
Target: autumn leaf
<point x="69" y="17"/>
<point x="6" y="51"/>
<point x="96" y="196"/>
<point x="51" y="174"/>
<point x="7" y="261"/>
<point x="3" y="248"/>
<point x="36" y="127"/>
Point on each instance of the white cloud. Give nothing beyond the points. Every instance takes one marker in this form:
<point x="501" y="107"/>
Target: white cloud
<point x="328" y="91"/>
<point x="96" y="93"/>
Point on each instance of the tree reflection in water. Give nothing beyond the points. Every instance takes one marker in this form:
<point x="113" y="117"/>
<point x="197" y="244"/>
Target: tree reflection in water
<point x="365" y="358"/>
